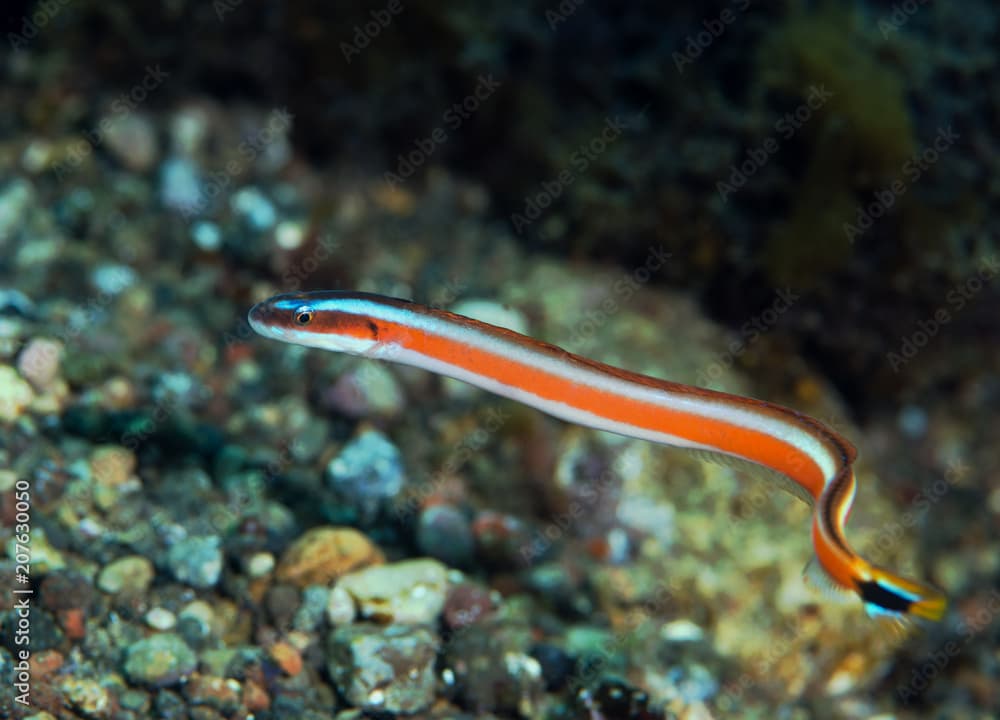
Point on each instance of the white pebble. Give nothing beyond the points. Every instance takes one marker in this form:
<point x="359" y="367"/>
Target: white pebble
<point x="289" y="234"/>
<point x="206" y="235"/>
<point x="260" y="564"/>
<point x="161" y="619"/>
<point x="340" y="609"/>
<point x="38" y="363"/>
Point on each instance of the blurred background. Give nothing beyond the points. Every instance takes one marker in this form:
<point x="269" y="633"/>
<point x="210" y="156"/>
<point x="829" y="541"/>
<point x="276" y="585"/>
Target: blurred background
<point x="791" y="200"/>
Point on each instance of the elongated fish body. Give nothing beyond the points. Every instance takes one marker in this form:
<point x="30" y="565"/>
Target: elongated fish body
<point x="812" y="456"/>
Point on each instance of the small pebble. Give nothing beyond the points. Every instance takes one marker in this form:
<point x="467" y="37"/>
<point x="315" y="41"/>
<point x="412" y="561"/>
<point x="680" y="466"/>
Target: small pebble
<point x="289" y="234"/>
<point x="691" y="683"/>
<point x="15" y="394"/>
<point x="45" y="558"/>
<point x="657" y="518"/>
<point x="853" y="670"/>
<point x="286" y="657"/>
<point x="524" y="684"/>
<point x="268" y="137"/>
<point x="65" y="590"/>
<point x="189" y="130"/>
<point x="168" y="705"/>
<point x="254" y="207"/>
<point x="557" y="665"/>
<point x="161" y="619"/>
<point x="255" y="698"/>
<point x="200" y="612"/>
<point x="16" y="197"/>
<point x="260" y="564"/>
<point x="323" y="554"/>
<point x="86" y="696"/>
<point x="218" y="693"/>
<point x="365" y="391"/>
<point x="466" y="605"/>
<point x="407" y="592"/>
<point x="206" y="235"/>
<point x="493" y="670"/>
<point x="135" y="700"/>
<point x="367" y="473"/>
<point x="384" y="670"/>
<point x="587" y="640"/>
<point x="39" y="362"/>
<point x="681" y="631"/>
<point x="181" y="187"/>
<point x="340" y="607"/>
<point x="38" y="155"/>
<point x="112" y="465"/>
<point x="282" y="603"/>
<point x="352" y="209"/>
<point x="614" y="698"/>
<point x="131" y="139"/>
<point x="504" y="540"/>
<point x="113" y="278"/>
<point x="46" y="662"/>
<point x="132" y="574"/>
<point x="913" y="421"/>
<point x="159" y="660"/>
<point x="196" y="561"/>
<point x="445" y="532"/>
<point x="13" y="300"/>
<point x="309" y="616"/>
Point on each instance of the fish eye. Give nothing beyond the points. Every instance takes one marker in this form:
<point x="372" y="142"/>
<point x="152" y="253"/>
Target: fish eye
<point x="303" y="315"/>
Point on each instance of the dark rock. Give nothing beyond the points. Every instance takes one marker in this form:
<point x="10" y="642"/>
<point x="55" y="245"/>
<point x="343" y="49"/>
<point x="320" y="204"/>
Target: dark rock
<point x="557" y="665"/>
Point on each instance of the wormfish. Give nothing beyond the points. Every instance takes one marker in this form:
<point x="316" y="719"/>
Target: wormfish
<point x="814" y="460"/>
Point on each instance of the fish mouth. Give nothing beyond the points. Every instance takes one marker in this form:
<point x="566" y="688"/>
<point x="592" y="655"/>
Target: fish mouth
<point x="261" y="318"/>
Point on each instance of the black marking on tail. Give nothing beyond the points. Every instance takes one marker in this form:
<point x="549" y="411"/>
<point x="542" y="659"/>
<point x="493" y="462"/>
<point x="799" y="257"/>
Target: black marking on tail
<point x="872" y="592"/>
